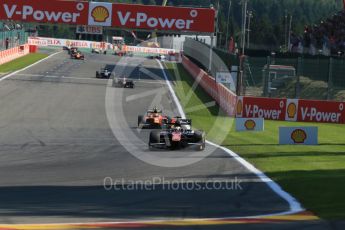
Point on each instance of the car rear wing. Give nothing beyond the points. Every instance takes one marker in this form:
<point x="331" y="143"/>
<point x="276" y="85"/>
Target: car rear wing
<point x="181" y="121"/>
<point x="152" y="111"/>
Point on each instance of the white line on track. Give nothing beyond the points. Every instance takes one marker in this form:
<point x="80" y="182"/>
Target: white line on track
<point x="18" y="71"/>
<point x="295" y="206"/>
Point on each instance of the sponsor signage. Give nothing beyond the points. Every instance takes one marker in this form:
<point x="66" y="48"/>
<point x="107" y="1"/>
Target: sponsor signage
<point x="163" y="18"/>
<point x="89" y="29"/>
<point x="223" y="77"/>
<point x="37" y="42"/>
<point x="267" y="108"/>
<point x="100" y="14"/>
<point x="291" y="110"/>
<point x="298" y="135"/>
<point x="249" y="124"/>
<point x="321" y="111"/>
<point x="129" y="16"/>
<point x="148" y="50"/>
<point x="42" y="11"/>
<point x="68" y="43"/>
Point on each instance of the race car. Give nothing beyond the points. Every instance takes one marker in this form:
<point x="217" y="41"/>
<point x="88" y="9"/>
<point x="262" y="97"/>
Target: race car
<point x="153" y="119"/>
<point x="178" y="135"/>
<point x="123" y="83"/>
<point x="72" y="50"/>
<point x="98" y="51"/>
<point x="104" y="73"/>
<point x="77" y="55"/>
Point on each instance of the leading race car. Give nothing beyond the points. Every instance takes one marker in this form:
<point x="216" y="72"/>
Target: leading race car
<point x="77" y="55"/>
<point x="178" y="134"/>
<point x="104" y="73"/>
<point x="153" y="119"/>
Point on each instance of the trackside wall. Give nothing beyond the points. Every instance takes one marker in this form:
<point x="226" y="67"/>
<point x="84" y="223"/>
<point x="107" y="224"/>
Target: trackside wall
<point x="14" y="53"/>
<point x="223" y="96"/>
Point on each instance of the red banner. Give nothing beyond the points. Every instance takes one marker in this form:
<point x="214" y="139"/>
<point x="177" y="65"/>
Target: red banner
<point x="255" y="107"/>
<point x="163" y="18"/>
<point x="128" y="16"/>
<point x="51" y="11"/>
<point x="321" y="111"/>
<point x="291" y="110"/>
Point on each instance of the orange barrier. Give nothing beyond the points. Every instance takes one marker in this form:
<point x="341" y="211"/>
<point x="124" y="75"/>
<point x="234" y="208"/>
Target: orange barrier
<point x="225" y="98"/>
<point x="13" y="53"/>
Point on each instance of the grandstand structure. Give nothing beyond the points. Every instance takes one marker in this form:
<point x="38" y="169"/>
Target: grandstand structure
<point x="12" y="35"/>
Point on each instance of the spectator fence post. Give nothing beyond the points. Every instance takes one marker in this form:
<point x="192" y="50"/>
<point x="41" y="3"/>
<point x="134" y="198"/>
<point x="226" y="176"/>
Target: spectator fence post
<point x="298" y="77"/>
<point x="330" y="79"/>
<point x="266" y="74"/>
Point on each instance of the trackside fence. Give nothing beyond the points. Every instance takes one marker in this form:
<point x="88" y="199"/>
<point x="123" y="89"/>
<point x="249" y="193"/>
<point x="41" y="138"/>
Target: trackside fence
<point x="282" y="109"/>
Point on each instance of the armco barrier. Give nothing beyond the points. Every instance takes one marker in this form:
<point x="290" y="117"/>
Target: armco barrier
<point x="223" y="96"/>
<point x="14" y="53"/>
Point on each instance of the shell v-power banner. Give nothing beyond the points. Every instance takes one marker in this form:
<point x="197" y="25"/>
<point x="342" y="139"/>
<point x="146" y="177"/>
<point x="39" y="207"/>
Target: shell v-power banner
<point x="127" y="16"/>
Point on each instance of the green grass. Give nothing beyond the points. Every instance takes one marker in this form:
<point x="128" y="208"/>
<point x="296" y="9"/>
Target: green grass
<point x="315" y="175"/>
<point x="22" y="62"/>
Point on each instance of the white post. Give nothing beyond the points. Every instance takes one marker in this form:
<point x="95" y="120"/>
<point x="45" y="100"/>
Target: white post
<point x="244" y="23"/>
<point x="227" y="26"/>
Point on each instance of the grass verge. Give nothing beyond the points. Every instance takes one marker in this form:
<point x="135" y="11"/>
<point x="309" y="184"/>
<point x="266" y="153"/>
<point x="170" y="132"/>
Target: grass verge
<point x="21" y="62"/>
<point x="315" y="175"/>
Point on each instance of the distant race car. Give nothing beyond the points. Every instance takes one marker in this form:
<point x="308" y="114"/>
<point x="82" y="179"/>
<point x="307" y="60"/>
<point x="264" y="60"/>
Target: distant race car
<point x="104" y="73"/>
<point x="178" y="135"/>
<point x="123" y="83"/>
<point x="77" y="55"/>
<point x="72" y="50"/>
<point x="98" y="51"/>
<point x="153" y="119"/>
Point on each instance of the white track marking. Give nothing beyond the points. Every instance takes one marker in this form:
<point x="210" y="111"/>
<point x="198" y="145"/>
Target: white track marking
<point x="295" y="206"/>
<point x="18" y="71"/>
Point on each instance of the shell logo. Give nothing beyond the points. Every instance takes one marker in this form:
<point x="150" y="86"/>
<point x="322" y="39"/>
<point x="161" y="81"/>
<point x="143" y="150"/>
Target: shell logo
<point x="299" y="136"/>
<point x="239" y="107"/>
<point x="291" y="110"/>
<point x="100" y="14"/>
<point x="250" y="125"/>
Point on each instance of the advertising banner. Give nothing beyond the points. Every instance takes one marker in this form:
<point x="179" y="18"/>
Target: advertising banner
<point x="82" y="29"/>
<point x="291" y="110"/>
<point x="67" y="42"/>
<point x="267" y="108"/>
<point x="42" y="11"/>
<point x="223" y="77"/>
<point x="163" y="18"/>
<point x="100" y="14"/>
<point x="249" y="124"/>
<point x="37" y="42"/>
<point x="321" y="111"/>
<point x="148" y="50"/>
<point x="298" y="135"/>
<point x="129" y="16"/>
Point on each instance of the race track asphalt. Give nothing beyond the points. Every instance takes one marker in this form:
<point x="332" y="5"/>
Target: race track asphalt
<point x="62" y="132"/>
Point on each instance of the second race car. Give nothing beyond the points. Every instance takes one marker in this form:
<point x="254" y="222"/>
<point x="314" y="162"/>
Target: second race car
<point x="153" y="119"/>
